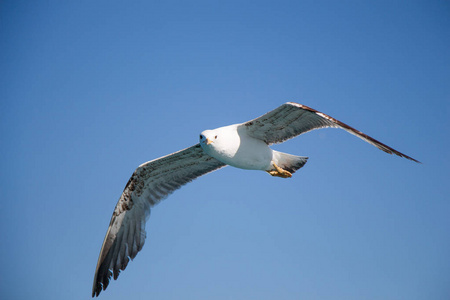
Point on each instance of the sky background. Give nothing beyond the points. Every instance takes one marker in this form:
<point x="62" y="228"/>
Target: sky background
<point x="91" y="89"/>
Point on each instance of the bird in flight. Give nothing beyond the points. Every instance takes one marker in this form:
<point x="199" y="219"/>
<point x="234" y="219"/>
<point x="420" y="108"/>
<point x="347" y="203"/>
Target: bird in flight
<point x="244" y="146"/>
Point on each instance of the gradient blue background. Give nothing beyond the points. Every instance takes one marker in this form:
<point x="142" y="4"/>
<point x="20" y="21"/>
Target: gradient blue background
<point x="91" y="89"/>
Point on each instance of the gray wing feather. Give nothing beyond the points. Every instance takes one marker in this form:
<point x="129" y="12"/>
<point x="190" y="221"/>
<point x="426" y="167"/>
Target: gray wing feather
<point x="292" y="119"/>
<point x="149" y="184"/>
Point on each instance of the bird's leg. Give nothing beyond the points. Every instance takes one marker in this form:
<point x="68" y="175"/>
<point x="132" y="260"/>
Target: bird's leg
<point x="279" y="172"/>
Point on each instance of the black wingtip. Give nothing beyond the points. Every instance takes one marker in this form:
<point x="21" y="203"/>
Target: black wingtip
<point x="410" y="158"/>
<point x="98" y="287"/>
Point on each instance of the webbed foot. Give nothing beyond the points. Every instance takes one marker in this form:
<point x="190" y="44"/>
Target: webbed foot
<point x="279" y="172"/>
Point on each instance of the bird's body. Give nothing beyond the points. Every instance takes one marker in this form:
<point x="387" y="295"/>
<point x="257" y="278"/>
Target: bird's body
<point x="244" y="146"/>
<point x="233" y="146"/>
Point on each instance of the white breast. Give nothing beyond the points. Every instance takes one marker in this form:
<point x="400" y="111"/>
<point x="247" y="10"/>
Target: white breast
<point x="235" y="148"/>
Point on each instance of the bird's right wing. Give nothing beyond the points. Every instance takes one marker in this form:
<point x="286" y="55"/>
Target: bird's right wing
<point x="292" y="119"/>
<point x="151" y="182"/>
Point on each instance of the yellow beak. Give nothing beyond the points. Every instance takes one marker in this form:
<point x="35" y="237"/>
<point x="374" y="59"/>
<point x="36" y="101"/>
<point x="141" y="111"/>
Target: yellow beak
<point x="208" y="141"/>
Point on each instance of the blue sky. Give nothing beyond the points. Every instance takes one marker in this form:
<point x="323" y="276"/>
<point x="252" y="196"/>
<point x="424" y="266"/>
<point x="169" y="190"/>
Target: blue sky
<point x="92" y="89"/>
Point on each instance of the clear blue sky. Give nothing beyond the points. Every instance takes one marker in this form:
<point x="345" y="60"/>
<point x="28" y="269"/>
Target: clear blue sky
<point x="91" y="89"/>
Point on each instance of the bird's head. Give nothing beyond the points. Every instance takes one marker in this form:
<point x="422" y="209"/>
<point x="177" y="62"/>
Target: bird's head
<point x="208" y="137"/>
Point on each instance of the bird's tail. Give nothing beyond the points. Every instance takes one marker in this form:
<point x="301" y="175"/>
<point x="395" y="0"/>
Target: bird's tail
<point x="289" y="162"/>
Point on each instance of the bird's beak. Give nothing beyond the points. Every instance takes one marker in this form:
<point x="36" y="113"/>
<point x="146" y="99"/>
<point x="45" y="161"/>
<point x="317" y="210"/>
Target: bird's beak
<point x="208" y="141"/>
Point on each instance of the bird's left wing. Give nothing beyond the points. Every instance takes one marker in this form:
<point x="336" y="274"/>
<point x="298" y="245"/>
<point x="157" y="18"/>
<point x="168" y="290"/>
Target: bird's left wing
<point x="292" y="119"/>
<point x="151" y="182"/>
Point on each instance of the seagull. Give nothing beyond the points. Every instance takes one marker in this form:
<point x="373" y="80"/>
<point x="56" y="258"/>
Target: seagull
<point x="244" y="146"/>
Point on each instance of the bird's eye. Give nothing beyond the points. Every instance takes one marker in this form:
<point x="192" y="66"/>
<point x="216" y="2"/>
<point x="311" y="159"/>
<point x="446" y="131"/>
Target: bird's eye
<point x="215" y="137"/>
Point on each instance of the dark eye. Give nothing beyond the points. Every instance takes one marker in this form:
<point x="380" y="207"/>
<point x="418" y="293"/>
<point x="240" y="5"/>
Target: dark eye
<point x="201" y="136"/>
<point x="215" y="137"/>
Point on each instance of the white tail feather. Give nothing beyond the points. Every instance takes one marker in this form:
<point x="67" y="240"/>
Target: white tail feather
<point x="289" y="162"/>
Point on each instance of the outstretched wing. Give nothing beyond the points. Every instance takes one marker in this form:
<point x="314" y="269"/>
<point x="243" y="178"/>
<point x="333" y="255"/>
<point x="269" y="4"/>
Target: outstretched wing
<point x="151" y="182"/>
<point x="292" y="119"/>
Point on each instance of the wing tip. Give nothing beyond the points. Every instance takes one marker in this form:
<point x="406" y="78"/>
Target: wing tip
<point x="407" y="157"/>
<point x="96" y="289"/>
<point x="100" y="284"/>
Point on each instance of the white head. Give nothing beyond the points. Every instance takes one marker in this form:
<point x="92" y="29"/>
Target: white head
<point x="208" y="137"/>
<point x="224" y="140"/>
